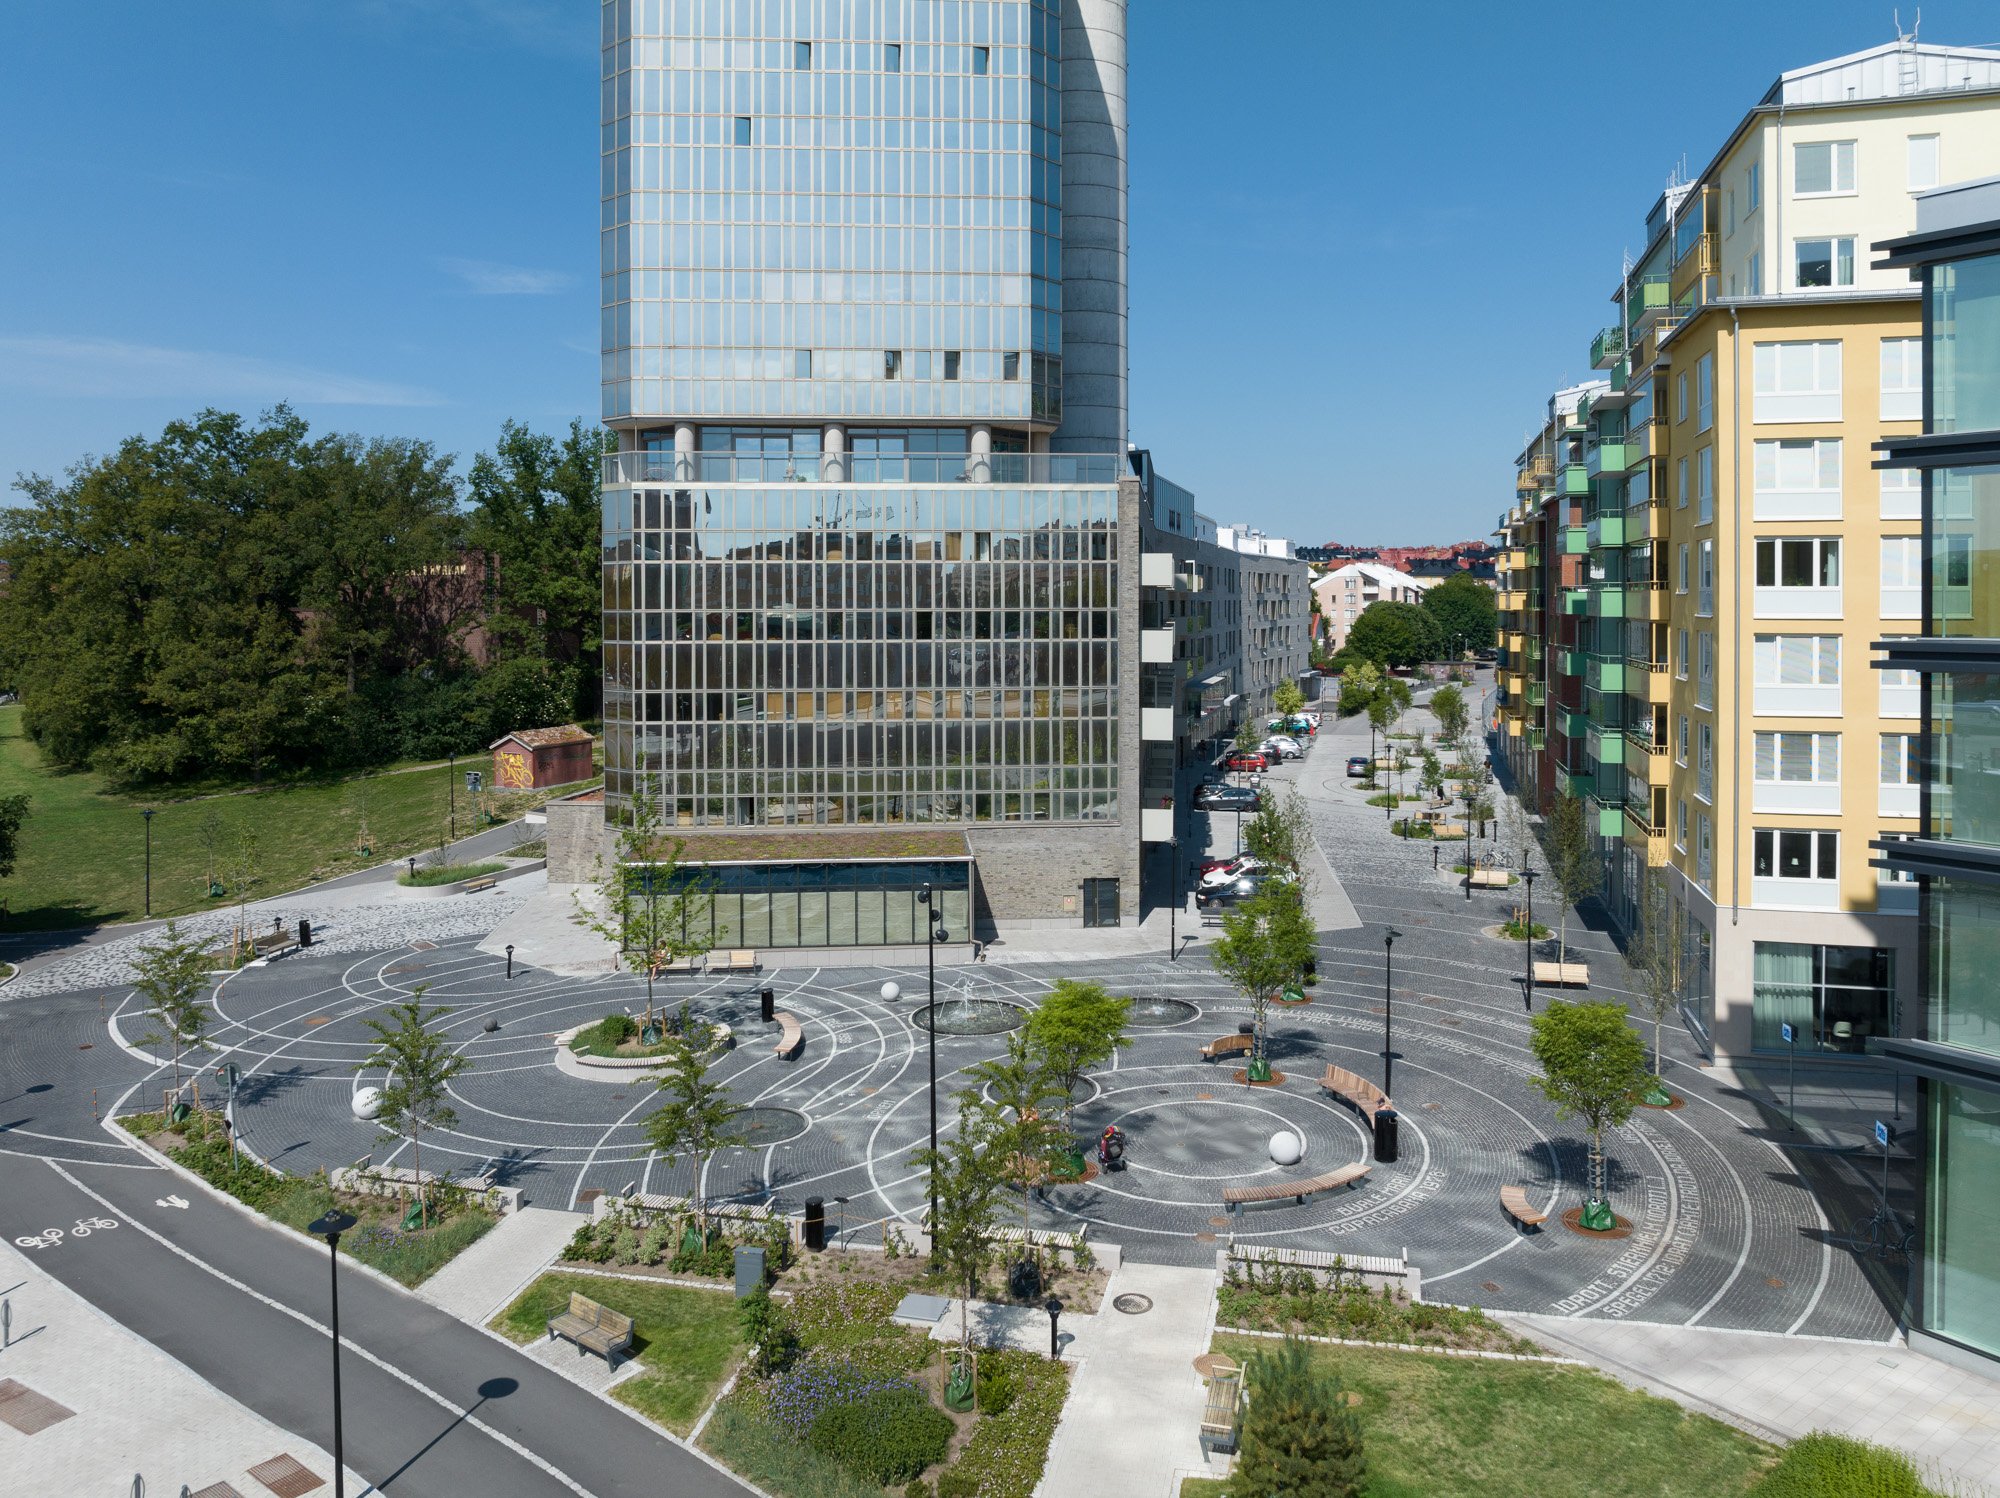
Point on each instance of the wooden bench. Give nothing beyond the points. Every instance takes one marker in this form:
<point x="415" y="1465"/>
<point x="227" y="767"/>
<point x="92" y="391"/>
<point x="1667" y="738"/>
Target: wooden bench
<point x="678" y="965"/>
<point x="1223" y="1409"/>
<point x="1490" y="878"/>
<point x="1448" y="831"/>
<point x="1562" y="974"/>
<point x="790" y="1036"/>
<point x="1237" y="1197"/>
<point x="594" y="1328"/>
<point x="1228" y="1045"/>
<point x="1357" y="1089"/>
<point x="740" y="961"/>
<point x="1515" y="1200"/>
<point x="474" y="886"/>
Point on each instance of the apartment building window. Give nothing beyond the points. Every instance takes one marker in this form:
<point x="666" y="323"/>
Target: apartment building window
<point x="1704" y="392"/>
<point x="1704" y="486"/>
<point x="1010" y="366"/>
<point x="1781" y="853"/>
<point x="1897" y="794"/>
<point x="1903" y="380"/>
<point x="982" y="61"/>
<point x="1824" y="262"/>
<point x="802" y="364"/>
<point x="1704" y="859"/>
<point x="1756" y="273"/>
<point x="1834" y="998"/>
<point x="1704" y="579"/>
<point x="1704" y="765"/>
<point x="1923" y="162"/>
<point x="1704" y="679"/>
<point x="1796" y="478"/>
<point x="1796" y="675"/>
<point x="1822" y="168"/>
<point x="1681" y="824"/>
<point x="1754" y="186"/>
<point x="1681" y="655"/>
<point x="892" y="364"/>
<point x="802" y="57"/>
<point x="1680" y="397"/>
<point x="1681" y="484"/>
<point x="1681" y="582"/>
<point x="1902" y="577"/>
<point x="1902" y="494"/>
<point x="1681" y="743"/>
<point x="1796" y="772"/>
<point x="892" y="58"/>
<point x="951" y="360"/>
<point x="742" y="132"/>
<point x="1796" y="381"/>
<point x="1798" y="578"/>
<point x="1900" y="694"/>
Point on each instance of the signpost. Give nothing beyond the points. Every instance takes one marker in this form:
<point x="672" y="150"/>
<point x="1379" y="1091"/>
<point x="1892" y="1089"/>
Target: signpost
<point x="1791" y="1078"/>
<point x="1882" y="1138"/>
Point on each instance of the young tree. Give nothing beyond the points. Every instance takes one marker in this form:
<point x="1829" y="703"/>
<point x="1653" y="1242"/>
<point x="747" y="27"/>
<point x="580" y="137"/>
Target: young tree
<point x="1288" y="699"/>
<point x="1033" y="1102"/>
<point x="1076" y="1027"/>
<point x="966" y="1171"/>
<point x="1381" y="717"/>
<point x="1265" y="946"/>
<point x="242" y="868"/>
<point x="1448" y="707"/>
<point x="1300" y="1439"/>
<point x="1247" y="738"/>
<point x="416" y="1095"/>
<point x="1432" y="776"/>
<point x="1657" y="958"/>
<point x="1573" y="861"/>
<point x="1594" y="1069"/>
<point x="212" y="835"/>
<point x="172" y="978"/>
<point x="697" y="1120"/>
<point x="1281" y="834"/>
<point x="646" y="903"/>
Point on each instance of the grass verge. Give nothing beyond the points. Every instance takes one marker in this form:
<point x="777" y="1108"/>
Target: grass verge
<point x="1299" y="1303"/>
<point x="688" y="1340"/>
<point x="448" y="873"/>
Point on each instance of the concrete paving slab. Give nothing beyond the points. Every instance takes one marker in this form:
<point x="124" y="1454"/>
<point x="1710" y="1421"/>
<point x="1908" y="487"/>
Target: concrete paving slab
<point x="544" y="933"/>
<point x="478" y="1284"/>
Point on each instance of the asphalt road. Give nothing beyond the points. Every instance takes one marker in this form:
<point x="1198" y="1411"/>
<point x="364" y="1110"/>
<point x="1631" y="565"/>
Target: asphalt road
<point x="245" y="1306"/>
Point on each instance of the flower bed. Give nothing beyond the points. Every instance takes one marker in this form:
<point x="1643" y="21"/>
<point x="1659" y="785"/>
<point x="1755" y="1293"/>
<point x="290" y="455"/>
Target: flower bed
<point x="1279" y="1298"/>
<point x="447" y="873"/>
<point x="674" y="1243"/>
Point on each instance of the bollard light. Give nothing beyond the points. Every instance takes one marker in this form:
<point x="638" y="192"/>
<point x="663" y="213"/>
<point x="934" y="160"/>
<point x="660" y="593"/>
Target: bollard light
<point x="510" y="959"/>
<point x="1054" y="1306"/>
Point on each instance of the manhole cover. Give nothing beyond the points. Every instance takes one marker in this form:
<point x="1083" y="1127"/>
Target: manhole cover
<point x="316" y="1019"/>
<point x="1218" y="1222"/>
<point x="1774" y="1282"/>
<point x="1488" y="1285"/>
<point x="756" y="1127"/>
<point x="1132" y="1305"/>
<point x="1204" y="1237"/>
<point x="1204" y="1097"/>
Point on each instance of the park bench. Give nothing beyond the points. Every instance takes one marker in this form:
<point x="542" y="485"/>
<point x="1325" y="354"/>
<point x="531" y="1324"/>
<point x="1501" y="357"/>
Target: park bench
<point x="594" y="1328"/>
<point x="1228" y="1045"/>
<point x="790" y="1036"/>
<point x="740" y="961"/>
<point x="1356" y="1089"/>
<point x="1490" y="878"/>
<point x="688" y="964"/>
<point x="1448" y="831"/>
<point x="1515" y="1200"/>
<point x="474" y="886"/>
<point x="1237" y="1197"/>
<point x="1563" y="974"/>
<point x="1223" y="1409"/>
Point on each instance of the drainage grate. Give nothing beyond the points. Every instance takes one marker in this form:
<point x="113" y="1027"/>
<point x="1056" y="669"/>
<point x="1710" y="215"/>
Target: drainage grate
<point x="590" y="1195"/>
<point x="217" y="1490"/>
<point x="316" y="1019"/>
<point x="1489" y="1287"/>
<point x="1774" y="1282"/>
<point x="1132" y="1305"/>
<point x="287" y="1477"/>
<point x="27" y="1411"/>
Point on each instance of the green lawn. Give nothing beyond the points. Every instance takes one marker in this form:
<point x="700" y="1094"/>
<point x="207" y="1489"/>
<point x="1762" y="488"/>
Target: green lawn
<point x="688" y="1339"/>
<point x="82" y="849"/>
<point x="1440" y="1427"/>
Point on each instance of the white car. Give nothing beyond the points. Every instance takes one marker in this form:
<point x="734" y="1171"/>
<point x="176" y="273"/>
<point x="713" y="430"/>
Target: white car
<point x="1284" y="748"/>
<point x="1229" y="873"/>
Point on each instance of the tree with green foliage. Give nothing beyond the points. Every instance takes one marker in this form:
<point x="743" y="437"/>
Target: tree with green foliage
<point x="1467" y="612"/>
<point x="1033" y="1103"/>
<point x="411" y="1047"/>
<point x="1300" y="1438"/>
<point x="242" y="868"/>
<point x="1593" y="1069"/>
<point x="1281" y="835"/>
<point x="171" y="976"/>
<point x="1431" y="777"/>
<point x="1660" y="963"/>
<point x="967" y="1172"/>
<point x="1078" y="1025"/>
<point x="1266" y="945"/>
<point x="13" y="812"/>
<point x="1448" y="707"/>
<point x="1395" y="634"/>
<point x="1288" y="699"/>
<point x="646" y="902"/>
<point x="1247" y="737"/>
<point x="1360" y="685"/>
<point x="697" y="1118"/>
<point x="1573" y="861"/>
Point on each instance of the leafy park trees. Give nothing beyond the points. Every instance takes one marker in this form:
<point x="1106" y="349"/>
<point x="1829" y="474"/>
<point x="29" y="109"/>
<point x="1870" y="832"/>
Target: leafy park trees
<point x="1288" y="698"/>
<point x="967" y="1171"/>
<point x="1076" y="1027"/>
<point x="1466" y="612"/>
<point x="645" y="903"/>
<point x="1033" y="1105"/>
<point x="1594" y="1070"/>
<point x="1300" y="1438"/>
<point x="1659" y="961"/>
<point x="171" y="977"/>
<point x="1573" y="861"/>
<point x="410" y="1045"/>
<point x="1395" y="634"/>
<point x="1360" y="684"/>
<point x="13" y="812"/>
<point x="697" y="1118"/>
<point x="1266" y="946"/>
<point x="1281" y="834"/>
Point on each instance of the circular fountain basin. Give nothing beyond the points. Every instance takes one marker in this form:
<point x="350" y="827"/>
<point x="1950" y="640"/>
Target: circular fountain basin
<point x="754" y="1128"/>
<point x="971" y="1017"/>
<point x="1161" y="1014"/>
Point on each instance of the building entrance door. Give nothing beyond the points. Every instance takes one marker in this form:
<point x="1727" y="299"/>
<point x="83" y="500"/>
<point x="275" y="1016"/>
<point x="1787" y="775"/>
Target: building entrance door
<point x="1100" y="902"/>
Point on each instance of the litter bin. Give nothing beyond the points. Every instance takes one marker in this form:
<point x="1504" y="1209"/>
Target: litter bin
<point x="766" y="1005"/>
<point x="1385" y="1135"/>
<point x="305" y="933"/>
<point x="815" y="1223"/>
<point x="1246" y="1027"/>
<point x="749" y="1270"/>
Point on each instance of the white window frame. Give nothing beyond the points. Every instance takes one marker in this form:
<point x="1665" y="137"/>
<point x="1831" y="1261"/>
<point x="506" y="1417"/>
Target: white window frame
<point x="1836" y="261"/>
<point x="1900" y="693"/>
<point x="1704" y="578"/>
<point x="1704" y="763"/>
<point x="1704" y="486"/>
<point x="1902" y="366"/>
<point x="1902" y="577"/>
<point x="1816" y="691"/>
<point x="1680" y="483"/>
<point x="1755" y="179"/>
<point x="1898" y="769"/>
<point x="1681" y="396"/>
<point x="1817" y="890"/>
<point x="1756" y="273"/>
<point x="1681" y="582"/>
<point x="1704" y="861"/>
<point x="1796" y="380"/>
<point x="1681" y="824"/>
<point x="1773" y="789"/>
<point x="1837" y="159"/>
<point x="1902" y="493"/>
<point x="1682" y="742"/>
<point x="1681" y="655"/>
<point x="1704" y="392"/>
<point x="1796" y="478"/>
<point x="1704" y="670"/>
<point x="1780" y="600"/>
<point x="1921" y="162"/>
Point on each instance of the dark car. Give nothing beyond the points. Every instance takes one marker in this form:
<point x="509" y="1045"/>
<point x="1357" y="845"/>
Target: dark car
<point x="1244" y="762"/>
<point x="1235" y="891"/>
<point x="1357" y="764"/>
<point x="1226" y="798"/>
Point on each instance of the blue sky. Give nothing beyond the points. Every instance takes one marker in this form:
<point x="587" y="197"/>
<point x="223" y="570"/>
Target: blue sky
<point x="1366" y="240"/>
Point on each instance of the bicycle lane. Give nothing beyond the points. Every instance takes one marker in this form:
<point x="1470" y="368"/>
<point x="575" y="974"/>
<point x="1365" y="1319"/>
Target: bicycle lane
<point x="243" y="1305"/>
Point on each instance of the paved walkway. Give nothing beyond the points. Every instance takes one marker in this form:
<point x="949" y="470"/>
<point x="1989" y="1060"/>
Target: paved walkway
<point x="1022" y="1327"/>
<point x="136" y="1411"/>
<point x="477" y="1284"/>
<point x="1944" y="1418"/>
<point x="1133" y="1423"/>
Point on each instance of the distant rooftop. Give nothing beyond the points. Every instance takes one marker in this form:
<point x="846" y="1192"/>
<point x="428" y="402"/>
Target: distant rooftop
<point x="1894" y="70"/>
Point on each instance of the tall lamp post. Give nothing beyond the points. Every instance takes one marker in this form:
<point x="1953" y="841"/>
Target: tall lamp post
<point x="149" y="813"/>
<point x="330" y="1227"/>
<point x="1388" y="1011"/>
<point x="1469" y="804"/>
<point x="933" y="929"/>
<point x="1528" y="877"/>
<point x="1173" y="898"/>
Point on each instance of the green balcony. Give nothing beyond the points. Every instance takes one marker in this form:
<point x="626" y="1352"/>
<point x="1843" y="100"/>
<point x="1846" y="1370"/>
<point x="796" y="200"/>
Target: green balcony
<point x="1611" y="822"/>
<point x="1576" y="600"/>
<point x="1621" y="373"/>
<point x="1572" y="782"/>
<point x="1573" y="479"/>
<point x="1575" y="540"/>
<point x="1572" y="662"/>
<point x="1609" y="455"/>
<point x="1537" y="739"/>
<point x="1572" y="724"/>
<point x="1606" y="530"/>
<point x="1606" y="675"/>
<point x="1605" y="746"/>
<point x="1646" y="299"/>
<point x="1537" y="694"/>
<point x="1607" y="347"/>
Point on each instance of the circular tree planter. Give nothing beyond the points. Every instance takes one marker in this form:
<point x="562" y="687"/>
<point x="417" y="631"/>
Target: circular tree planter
<point x="1242" y="1076"/>
<point x="1621" y="1227"/>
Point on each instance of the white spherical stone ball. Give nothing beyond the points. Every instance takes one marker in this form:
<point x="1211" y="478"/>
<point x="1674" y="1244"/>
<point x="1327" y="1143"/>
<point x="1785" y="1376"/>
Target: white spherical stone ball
<point x="1286" y="1148"/>
<point x="368" y="1102"/>
<point x="890" y="993"/>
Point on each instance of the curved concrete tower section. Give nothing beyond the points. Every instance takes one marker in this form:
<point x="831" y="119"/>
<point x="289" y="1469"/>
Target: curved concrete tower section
<point x="1093" y="210"/>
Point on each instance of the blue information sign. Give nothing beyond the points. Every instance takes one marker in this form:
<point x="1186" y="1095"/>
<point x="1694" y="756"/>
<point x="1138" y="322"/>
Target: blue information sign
<point x="1881" y="1133"/>
<point x="1786" y="1031"/>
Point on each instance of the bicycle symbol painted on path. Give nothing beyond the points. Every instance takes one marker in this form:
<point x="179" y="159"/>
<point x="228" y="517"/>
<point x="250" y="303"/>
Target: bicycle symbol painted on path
<point x="50" y="1237"/>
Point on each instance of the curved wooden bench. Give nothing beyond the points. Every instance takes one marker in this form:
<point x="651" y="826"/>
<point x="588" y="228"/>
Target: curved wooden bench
<point x="1515" y="1200"/>
<point x="1228" y="1045"/>
<point x="1356" y="1089"/>
<point x="593" y="1328"/>
<point x="1235" y="1197"/>
<point x="790" y="1036"/>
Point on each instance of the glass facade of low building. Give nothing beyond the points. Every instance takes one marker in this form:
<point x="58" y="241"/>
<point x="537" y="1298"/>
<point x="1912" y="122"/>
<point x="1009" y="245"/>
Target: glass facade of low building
<point x="838" y="904"/>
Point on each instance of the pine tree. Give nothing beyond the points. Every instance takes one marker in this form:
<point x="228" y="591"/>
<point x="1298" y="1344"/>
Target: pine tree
<point x="1300" y="1439"/>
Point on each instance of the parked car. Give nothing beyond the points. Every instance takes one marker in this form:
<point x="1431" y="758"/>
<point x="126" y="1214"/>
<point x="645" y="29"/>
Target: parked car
<point x="1252" y="761"/>
<point x="1208" y="866"/>
<point x="1226" y="798"/>
<point x="1296" y="724"/>
<point x="1236" y="868"/>
<point x="1358" y="766"/>
<point x="1275" y="749"/>
<point x="1234" y="891"/>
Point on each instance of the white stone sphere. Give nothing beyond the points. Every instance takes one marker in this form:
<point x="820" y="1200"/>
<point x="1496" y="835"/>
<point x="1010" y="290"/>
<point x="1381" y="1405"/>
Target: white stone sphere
<point x="1286" y="1148"/>
<point x="368" y="1102"/>
<point x="890" y="993"/>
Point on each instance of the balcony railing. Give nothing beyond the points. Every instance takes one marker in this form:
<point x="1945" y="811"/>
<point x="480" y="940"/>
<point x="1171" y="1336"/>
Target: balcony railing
<point x="862" y="468"/>
<point x="1607" y="347"/>
<point x="1645" y="299"/>
<point x="1606" y="530"/>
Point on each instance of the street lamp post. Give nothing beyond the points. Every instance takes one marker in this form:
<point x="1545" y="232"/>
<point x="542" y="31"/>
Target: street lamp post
<point x="1173" y="897"/>
<point x="933" y="929"/>
<point x="330" y="1227"/>
<point x="149" y="813"/>
<point x="1528" y="877"/>
<point x="1388" y="1011"/>
<point x="451" y="789"/>
<point x="1469" y="803"/>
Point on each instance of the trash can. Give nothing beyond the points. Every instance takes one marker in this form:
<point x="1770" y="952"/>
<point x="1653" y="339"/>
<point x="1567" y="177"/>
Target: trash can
<point x="1385" y="1135"/>
<point x="305" y="933"/>
<point x="1246" y="1027"/>
<point x="749" y="1270"/>
<point x="766" y="1006"/>
<point x="815" y="1223"/>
